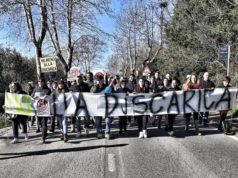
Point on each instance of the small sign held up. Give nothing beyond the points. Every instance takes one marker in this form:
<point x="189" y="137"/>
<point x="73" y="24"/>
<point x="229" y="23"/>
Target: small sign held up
<point x="48" y="64"/>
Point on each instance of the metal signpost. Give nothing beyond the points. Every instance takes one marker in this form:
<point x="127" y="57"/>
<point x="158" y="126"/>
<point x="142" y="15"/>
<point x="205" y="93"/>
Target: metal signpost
<point x="224" y="54"/>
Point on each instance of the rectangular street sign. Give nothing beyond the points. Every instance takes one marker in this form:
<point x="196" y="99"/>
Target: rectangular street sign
<point x="223" y="52"/>
<point x="48" y="64"/>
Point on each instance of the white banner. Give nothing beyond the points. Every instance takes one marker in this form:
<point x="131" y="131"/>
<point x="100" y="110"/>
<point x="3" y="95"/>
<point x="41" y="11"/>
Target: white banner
<point x="120" y="104"/>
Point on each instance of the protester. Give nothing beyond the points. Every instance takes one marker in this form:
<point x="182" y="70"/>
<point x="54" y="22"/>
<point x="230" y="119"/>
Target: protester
<point x="207" y="84"/>
<point x="41" y="91"/>
<point x="157" y="78"/>
<point x="164" y="87"/>
<point x="30" y="89"/>
<point x="17" y="119"/>
<point x="171" y="117"/>
<point x="90" y="81"/>
<point x="168" y="76"/>
<point x="142" y="119"/>
<point x="224" y="126"/>
<point x="52" y="123"/>
<point x="99" y="88"/>
<point x="131" y="85"/>
<point x="81" y="87"/>
<point x="123" y="119"/>
<point x="192" y="84"/>
<point x="49" y="84"/>
<point x="63" y="121"/>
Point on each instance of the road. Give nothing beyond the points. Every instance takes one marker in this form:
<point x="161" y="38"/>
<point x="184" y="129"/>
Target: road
<point x="186" y="155"/>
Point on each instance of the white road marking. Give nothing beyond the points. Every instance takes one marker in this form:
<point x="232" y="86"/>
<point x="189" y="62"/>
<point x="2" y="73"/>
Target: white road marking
<point x="111" y="162"/>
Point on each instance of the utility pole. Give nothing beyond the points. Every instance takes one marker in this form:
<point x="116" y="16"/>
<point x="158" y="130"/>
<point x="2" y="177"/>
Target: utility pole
<point x="163" y="5"/>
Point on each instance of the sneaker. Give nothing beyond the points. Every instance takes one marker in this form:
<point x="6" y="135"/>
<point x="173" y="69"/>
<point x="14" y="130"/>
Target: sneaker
<point x="107" y="136"/>
<point x="199" y="134"/>
<point x="14" y="141"/>
<point x="171" y="133"/>
<point x="78" y="135"/>
<point x="145" y="134"/>
<point x="26" y="137"/>
<point x="141" y="135"/>
<point x="99" y="136"/>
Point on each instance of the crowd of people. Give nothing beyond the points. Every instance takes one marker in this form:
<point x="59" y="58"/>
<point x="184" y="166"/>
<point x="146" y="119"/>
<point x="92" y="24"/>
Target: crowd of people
<point x="109" y="84"/>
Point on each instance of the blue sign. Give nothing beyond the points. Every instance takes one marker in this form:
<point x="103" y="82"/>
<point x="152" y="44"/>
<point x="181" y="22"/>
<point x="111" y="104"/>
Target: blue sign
<point x="223" y="52"/>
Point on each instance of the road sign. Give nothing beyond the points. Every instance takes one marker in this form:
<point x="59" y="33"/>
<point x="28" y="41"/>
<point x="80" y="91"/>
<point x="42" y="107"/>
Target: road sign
<point x="48" y="64"/>
<point x="224" y="52"/>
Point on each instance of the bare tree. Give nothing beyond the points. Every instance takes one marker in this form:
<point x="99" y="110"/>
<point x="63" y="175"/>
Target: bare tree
<point x="141" y="29"/>
<point x="33" y="13"/>
<point x="88" y="51"/>
<point x="69" y="21"/>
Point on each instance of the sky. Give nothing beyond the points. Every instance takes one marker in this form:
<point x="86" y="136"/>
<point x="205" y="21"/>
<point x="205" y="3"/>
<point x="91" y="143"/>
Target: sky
<point x="26" y="48"/>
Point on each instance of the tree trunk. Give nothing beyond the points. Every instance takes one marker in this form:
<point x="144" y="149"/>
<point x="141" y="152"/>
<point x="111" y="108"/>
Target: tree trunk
<point x="38" y="56"/>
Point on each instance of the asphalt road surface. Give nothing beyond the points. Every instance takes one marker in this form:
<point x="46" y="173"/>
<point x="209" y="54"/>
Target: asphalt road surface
<point x="185" y="155"/>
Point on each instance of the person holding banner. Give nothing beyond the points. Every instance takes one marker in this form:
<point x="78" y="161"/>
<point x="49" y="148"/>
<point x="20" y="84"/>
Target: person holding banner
<point x="41" y="91"/>
<point x="207" y="84"/>
<point x="171" y="117"/>
<point x="63" y="121"/>
<point x="52" y="122"/>
<point x="131" y="85"/>
<point x="163" y="88"/>
<point x="223" y="125"/>
<point x="99" y="88"/>
<point x="122" y="119"/>
<point x="17" y="119"/>
<point x="192" y="84"/>
<point x="142" y="119"/>
<point x="81" y="87"/>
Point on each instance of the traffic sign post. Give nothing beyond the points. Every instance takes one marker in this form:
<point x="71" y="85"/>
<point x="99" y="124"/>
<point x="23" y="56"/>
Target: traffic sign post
<point x="224" y="54"/>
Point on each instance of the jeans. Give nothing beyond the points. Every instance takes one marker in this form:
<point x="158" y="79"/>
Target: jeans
<point x="63" y="122"/>
<point x="15" y="125"/>
<point x="99" y="124"/>
<point x="52" y="123"/>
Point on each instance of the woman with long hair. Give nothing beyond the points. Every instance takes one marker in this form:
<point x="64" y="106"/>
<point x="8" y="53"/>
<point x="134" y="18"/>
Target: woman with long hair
<point x="142" y="119"/>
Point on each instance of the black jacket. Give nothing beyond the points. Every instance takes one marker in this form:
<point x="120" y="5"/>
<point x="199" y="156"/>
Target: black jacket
<point x="97" y="88"/>
<point x="44" y="90"/>
<point x="83" y="87"/>
<point x="123" y="90"/>
<point x="207" y="84"/>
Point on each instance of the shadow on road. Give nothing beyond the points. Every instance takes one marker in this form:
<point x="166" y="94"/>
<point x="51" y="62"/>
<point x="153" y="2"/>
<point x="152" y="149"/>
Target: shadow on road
<point x="45" y="152"/>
